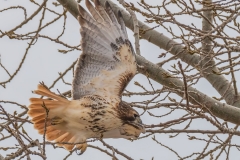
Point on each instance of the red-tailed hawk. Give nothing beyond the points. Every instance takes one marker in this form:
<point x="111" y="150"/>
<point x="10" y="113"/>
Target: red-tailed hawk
<point x="104" y="69"/>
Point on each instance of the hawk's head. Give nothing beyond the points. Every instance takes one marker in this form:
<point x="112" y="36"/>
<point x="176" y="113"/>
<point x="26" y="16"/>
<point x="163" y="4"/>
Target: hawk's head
<point x="132" y="124"/>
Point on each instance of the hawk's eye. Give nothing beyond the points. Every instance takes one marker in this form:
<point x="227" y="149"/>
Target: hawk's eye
<point x="135" y="115"/>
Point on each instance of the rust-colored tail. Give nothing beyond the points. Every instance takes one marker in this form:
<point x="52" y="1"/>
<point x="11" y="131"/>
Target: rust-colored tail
<point x="42" y="121"/>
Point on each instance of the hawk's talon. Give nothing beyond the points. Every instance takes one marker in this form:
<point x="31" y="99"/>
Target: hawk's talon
<point x="82" y="148"/>
<point x="131" y="139"/>
<point x="101" y="136"/>
<point x="79" y="153"/>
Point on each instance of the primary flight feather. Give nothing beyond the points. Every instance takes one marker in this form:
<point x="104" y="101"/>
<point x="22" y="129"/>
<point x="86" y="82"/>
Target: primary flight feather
<point x="104" y="69"/>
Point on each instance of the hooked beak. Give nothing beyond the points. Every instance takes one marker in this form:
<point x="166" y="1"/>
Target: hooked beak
<point x="138" y="124"/>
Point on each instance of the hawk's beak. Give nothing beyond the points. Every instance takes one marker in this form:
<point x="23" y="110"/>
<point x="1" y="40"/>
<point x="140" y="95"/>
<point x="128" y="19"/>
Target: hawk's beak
<point x="140" y="124"/>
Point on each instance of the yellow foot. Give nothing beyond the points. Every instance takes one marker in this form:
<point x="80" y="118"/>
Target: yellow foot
<point x="131" y="139"/>
<point x="56" y="120"/>
<point x="82" y="148"/>
<point x="101" y="137"/>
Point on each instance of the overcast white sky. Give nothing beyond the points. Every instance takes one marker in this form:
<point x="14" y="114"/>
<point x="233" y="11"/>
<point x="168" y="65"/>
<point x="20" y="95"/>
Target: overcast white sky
<point x="43" y="62"/>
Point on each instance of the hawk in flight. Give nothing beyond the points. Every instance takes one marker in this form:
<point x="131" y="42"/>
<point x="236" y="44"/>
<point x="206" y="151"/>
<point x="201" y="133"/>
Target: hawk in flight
<point x="104" y="69"/>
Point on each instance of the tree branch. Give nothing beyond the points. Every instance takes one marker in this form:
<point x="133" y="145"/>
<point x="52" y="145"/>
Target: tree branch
<point x="221" y="110"/>
<point x="219" y="82"/>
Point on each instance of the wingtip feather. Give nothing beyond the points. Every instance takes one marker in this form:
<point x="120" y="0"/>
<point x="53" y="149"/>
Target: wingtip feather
<point x="81" y="10"/>
<point x="97" y="3"/>
<point x="120" y="14"/>
<point x="107" y="5"/>
<point x="88" y="3"/>
<point x="81" y="20"/>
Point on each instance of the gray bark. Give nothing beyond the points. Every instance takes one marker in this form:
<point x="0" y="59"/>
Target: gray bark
<point x="221" y="110"/>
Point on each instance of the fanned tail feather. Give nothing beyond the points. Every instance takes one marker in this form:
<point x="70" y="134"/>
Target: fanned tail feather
<point x="38" y="110"/>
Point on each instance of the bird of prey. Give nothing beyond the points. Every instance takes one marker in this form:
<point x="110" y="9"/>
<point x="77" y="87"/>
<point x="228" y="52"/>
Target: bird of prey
<point x="104" y="69"/>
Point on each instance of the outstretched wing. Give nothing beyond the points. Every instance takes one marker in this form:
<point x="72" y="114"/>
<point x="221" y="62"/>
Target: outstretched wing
<point x="107" y="62"/>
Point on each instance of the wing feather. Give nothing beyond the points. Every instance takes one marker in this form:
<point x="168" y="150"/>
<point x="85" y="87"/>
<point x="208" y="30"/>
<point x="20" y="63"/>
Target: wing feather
<point x="102" y="12"/>
<point x="85" y="19"/>
<point x="110" y="13"/>
<point x="107" y="62"/>
<point x="91" y="38"/>
<point x="94" y="13"/>
<point x="122" y="24"/>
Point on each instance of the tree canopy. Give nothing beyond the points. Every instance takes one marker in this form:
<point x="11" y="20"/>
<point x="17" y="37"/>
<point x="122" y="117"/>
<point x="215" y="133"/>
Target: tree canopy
<point x="186" y="90"/>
